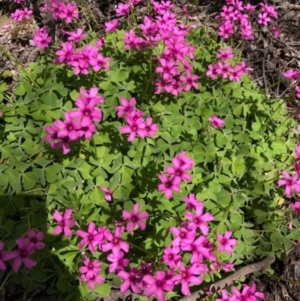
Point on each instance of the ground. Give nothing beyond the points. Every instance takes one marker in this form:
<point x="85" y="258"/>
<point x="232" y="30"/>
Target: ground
<point x="268" y="56"/>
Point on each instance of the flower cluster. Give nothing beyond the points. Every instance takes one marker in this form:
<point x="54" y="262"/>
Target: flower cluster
<point x="248" y="293"/>
<point x="103" y="239"/>
<point x="175" y="174"/>
<point x="77" y="124"/>
<point x="191" y="238"/>
<point x="62" y="11"/>
<point x="26" y="247"/>
<point x="235" y="14"/>
<point x="89" y="273"/>
<point x="173" y="68"/>
<point x="82" y="59"/>
<point x="136" y="125"/>
<point x="225" y="69"/>
<point x="268" y="12"/>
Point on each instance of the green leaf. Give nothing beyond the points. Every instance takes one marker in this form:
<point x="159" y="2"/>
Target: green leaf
<point x="14" y="178"/>
<point x="30" y="179"/>
<point x="118" y="75"/>
<point x="52" y="172"/>
<point x="238" y="166"/>
<point x="103" y="289"/>
<point x="22" y="88"/>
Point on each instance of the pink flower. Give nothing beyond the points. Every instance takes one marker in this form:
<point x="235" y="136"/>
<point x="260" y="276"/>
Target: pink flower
<point x="212" y="71"/>
<point x="183" y="160"/>
<point x="68" y="12"/>
<point x="182" y="235"/>
<point x="34" y="239"/>
<point x="65" y="54"/>
<point x="90" y="268"/>
<point x="64" y="222"/>
<point x="91" y="95"/>
<point x="167" y="68"/>
<point x="171" y="257"/>
<point x="249" y="7"/>
<point x="100" y="42"/>
<point x="199" y="220"/>
<point x="111" y="25"/>
<point x="127" y="106"/>
<point x="235" y="73"/>
<point x="123" y="9"/>
<point x="92" y="237"/>
<point x="263" y="19"/>
<point x="192" y="202"/>
<point x="53" y="131"/>
<point x="88" y="112"/>
<point x="290" y="183"/>
<point x="199" y="248"/>
<point x="88" y="131"/>
<point x="135" y="218"/>
<point x="130" y="280"/>
<point x="99" y="62"/>
<point x="226" y="297"/>
<point x="296" y="206"/>
<point x="64" y="144"/>
<point x="227" y="12"/>
<point x="292" y="74"/>
<point x="69" y="128"/>
<point x="150" y="128"/>
<point x="297" y="90"/>
<point x="269" y="10"/>
<point x="76" y="36"/>
<point x="157" y="285"/>
<point x="225" y="54"/>
<point x="174" y="87"/>
<point x="92" y="281"/>
<point x="226" y="29"/>
<point x="189" y="80"/>
<point x="107" y="193"/>
<point x="132" y="41"/>
<point x="134" y="127"/>
<point x="114" y="241"/>
<point x="225" y="242"/>
<point x="248" y="293"/>
<point x="178" y="171"/>
<point x="168" y="185"/>
<point x="20" y="15"/>
<point x="188" y="275"/>
<point x="223" y="69"/>
<point x="216" y="122"/>
<point x="118" y="261"/>
<point x="22" y="255"/>
<point x="41" y="38"/>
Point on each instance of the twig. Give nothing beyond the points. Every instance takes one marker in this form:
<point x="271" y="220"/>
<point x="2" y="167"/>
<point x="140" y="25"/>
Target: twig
<point x="251" y="268"/>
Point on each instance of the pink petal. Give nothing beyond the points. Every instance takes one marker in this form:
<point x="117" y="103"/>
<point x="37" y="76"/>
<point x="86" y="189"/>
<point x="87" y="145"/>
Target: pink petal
<point x="57" y="216"/>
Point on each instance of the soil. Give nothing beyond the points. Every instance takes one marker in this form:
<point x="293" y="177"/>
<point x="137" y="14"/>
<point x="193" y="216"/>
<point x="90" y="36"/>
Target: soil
<point x="268" y="56"/>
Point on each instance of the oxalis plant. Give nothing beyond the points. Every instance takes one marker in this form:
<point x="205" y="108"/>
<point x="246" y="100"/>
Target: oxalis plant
<point x="128" y="162"/>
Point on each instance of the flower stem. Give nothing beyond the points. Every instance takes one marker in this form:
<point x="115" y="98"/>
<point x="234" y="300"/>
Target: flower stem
<point x="139" y="248"/>
<point x="5" y="280"/>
